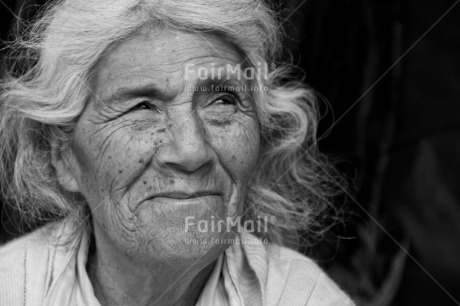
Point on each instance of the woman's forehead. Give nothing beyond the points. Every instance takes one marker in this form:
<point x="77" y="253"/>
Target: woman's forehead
<point x="165" y="56"/>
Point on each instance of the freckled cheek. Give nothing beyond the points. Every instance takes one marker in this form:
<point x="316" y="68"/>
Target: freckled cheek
<point x="124" y="158"/>
<point x="130" y="158"/>
<point x="238" y="147"/>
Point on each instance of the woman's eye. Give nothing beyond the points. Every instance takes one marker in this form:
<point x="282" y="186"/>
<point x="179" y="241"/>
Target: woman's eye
<point x="225" y="100"/>
<point x="143" y="105"/>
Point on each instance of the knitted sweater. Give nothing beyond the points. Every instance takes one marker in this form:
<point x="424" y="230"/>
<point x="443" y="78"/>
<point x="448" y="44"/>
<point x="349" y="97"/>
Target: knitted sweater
<point x="37" y="270"/>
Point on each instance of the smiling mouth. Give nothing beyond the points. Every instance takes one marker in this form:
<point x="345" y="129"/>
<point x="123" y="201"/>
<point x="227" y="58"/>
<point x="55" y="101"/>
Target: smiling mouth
<point x="182" y="195"/>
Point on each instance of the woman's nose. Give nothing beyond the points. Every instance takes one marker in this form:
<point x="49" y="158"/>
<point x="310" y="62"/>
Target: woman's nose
<point x="187" y="150"/>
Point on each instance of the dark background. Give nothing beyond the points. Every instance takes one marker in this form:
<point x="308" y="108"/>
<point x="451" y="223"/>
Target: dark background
<point x="390" y="72"/>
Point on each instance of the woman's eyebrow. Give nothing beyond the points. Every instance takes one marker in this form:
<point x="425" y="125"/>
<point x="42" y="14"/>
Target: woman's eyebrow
<point x="125" y="92"/>
<point x="232" y="84"/>
<point x="231" y="80"/>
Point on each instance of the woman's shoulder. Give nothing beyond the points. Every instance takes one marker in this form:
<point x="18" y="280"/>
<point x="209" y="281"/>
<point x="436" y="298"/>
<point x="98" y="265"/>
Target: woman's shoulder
<point x="27" y="264"/>
<point x="291" y="278"/>
<point x="16" y="258"/>
<point x="18" y="243"/>
<point x="40" y="240"/>
<point x="304" y="280"/>
<point x="13" y="254"/>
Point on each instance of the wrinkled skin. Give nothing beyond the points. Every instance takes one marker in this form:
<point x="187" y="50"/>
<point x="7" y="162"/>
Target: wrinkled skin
<point x="143" y="137"/>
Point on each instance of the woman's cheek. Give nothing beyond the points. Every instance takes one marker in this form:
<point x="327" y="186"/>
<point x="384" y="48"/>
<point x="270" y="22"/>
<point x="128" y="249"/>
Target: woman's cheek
<point x="243" y="147"/>
<point x="237" y="147"/>
<point x="236" y="144"/>
<point x="115" y="157"/>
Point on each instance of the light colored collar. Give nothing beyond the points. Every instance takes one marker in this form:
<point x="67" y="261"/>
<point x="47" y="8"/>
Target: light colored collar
<point x="233" y="281"/>
<point x="236" y="279"/>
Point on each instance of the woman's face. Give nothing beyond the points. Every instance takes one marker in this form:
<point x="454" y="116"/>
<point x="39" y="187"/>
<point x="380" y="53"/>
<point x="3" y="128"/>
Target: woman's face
<point x="158" y="148"/>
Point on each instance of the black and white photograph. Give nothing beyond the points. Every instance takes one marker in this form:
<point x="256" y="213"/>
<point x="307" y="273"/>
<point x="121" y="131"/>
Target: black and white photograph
<point x="229" y="153"/>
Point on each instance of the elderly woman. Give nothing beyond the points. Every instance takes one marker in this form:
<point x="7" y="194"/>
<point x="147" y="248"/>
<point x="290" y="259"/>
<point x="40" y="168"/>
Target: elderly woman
<point x="166" y="156"/>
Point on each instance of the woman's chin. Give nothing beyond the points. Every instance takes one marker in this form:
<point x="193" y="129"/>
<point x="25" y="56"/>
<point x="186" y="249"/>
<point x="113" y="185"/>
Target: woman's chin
<point x="176" y="247"/>
<point x="179" y="231"/>
<point x="174" y="212"/>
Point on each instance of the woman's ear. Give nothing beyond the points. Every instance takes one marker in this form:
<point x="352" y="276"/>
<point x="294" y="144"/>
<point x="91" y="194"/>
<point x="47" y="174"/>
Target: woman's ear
<point x="63" y="161"/>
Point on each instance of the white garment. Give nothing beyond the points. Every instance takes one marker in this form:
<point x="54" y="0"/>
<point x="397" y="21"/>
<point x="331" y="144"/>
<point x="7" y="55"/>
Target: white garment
<point x="37" y="270"/>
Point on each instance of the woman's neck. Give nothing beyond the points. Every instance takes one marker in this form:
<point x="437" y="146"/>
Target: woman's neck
<point x="118" y="281"/>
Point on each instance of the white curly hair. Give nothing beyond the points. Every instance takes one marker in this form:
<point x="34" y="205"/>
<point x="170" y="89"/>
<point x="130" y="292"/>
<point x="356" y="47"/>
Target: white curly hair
<point x="46" y="89"/>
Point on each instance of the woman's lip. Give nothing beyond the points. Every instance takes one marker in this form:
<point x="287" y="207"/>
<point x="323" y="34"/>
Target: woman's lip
<point x="185" y="201"/>
<point x="181" y="196"/>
